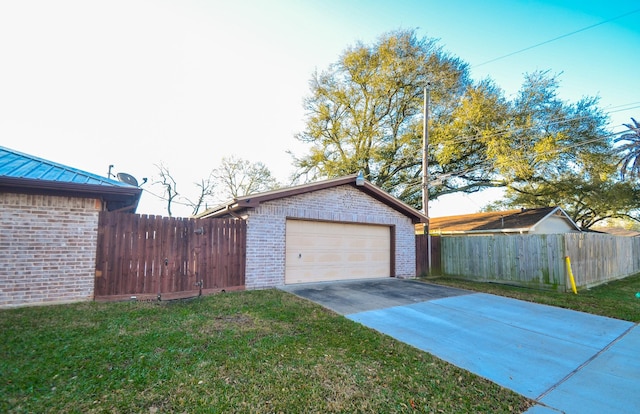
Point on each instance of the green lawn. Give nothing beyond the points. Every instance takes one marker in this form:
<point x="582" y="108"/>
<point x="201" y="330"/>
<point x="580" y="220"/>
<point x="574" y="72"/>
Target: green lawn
<point x="255" y="351"/>
<point x="615" y="299"/>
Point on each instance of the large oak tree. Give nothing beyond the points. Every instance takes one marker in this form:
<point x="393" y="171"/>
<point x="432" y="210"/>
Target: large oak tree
<point x="364" y="113"/>
<point x="365" y="110"/>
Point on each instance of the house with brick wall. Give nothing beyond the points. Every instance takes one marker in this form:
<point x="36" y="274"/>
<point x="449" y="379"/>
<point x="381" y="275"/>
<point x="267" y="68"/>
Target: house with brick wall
<point x="48" y="228"/>
<point x="338" y="229"/>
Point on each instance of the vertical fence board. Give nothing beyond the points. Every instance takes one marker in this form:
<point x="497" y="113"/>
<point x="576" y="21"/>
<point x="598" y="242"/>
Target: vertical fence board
<point x="143" y="230"/>
<point x="226" y="232"/>
<point x="126" y="227"/>
<point x="166" y="272"/>
<point x="150" y="283"/>
<point x="241" y="252"/>
<point x="155" y="266"/>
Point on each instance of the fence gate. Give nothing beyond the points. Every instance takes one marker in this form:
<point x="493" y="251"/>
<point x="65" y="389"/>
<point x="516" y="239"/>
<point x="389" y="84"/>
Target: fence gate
<point x="153" y="257"/>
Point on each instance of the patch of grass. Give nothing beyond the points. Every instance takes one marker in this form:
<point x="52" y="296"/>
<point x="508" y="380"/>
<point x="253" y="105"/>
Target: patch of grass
<point x="615" y="299"/>
<point x="254" y="351"/>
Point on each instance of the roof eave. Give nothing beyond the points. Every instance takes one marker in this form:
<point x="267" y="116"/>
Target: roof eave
<point x="222" y="210"/>
<point x="127" y="194"/>
<point x="384" y="197"/>
<point x="463" y="232"/>
<point x="239" y="204"/>
<point x="564" y="214"/>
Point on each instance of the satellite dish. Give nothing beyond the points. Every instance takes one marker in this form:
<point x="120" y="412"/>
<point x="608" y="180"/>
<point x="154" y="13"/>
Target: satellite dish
<point x="127" y="179"/>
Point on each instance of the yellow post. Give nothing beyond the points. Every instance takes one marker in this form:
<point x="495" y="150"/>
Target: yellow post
<point x="571" y="279"/>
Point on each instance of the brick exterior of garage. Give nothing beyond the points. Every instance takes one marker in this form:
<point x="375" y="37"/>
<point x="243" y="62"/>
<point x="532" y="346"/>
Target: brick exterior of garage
<point x="266" y="230"/>
<point x="344" y="202"/>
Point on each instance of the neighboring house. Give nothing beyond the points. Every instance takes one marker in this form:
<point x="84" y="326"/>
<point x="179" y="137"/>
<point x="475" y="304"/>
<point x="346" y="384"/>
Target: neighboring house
<point x="48" y="228"/>
<point x="616" y="231"/>
<point x="344" y="228"/>
<point x="546" y="220"/>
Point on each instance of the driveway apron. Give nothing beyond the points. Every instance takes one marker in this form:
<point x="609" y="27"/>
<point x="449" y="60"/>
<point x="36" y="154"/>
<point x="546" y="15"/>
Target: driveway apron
<point x="568" y="361"/>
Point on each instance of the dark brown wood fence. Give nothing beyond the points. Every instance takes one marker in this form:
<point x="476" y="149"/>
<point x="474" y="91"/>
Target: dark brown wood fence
<point x="161" y="257"/>
<point x="422" y="255"/>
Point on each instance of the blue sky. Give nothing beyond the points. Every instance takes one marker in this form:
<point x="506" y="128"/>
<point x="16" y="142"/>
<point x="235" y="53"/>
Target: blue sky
<point x="134" y="83"/>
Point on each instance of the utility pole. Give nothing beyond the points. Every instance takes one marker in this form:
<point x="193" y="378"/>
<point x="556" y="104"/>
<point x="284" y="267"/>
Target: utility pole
<point x="425" y="153"/>
<point x="425" y="170"/>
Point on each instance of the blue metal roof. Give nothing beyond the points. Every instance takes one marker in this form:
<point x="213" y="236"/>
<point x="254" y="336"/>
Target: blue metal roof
<point x="15" y="164"/>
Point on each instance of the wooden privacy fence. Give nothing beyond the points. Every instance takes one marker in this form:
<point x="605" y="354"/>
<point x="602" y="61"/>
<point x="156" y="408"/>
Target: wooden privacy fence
<point x="539" y="260"/>
<point x="162" y="257"/>
<point x="599" y="258"/>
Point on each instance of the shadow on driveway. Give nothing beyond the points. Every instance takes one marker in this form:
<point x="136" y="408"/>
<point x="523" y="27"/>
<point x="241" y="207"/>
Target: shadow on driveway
<point x="354" y="296"/>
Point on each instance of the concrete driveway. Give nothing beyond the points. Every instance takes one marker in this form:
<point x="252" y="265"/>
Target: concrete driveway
<point x="568" y="361"/>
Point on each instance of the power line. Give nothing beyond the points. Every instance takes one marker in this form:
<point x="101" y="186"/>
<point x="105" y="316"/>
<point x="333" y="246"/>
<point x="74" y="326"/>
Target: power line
<point x="579" y="144"/>
<point x="625" y="109"/>
<point x="556" y="150"/>
<point x="174" y="201"/>
<point x="556" y="121"/>
<point x="556" y="38"/>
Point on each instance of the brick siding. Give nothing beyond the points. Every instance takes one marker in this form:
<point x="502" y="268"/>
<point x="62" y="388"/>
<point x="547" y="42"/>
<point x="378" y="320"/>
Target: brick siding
<point x="47" y="249"/>
<point x="265" y="264"/>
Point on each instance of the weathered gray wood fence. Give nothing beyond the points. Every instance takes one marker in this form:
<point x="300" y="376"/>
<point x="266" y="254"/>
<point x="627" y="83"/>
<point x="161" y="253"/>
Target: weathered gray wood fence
<point x="539" y="260"/>
<point x="599" y="258"/>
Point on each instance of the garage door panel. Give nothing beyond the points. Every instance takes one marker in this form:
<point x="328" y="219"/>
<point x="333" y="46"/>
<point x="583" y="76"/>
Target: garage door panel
<point x="322" y="251"/>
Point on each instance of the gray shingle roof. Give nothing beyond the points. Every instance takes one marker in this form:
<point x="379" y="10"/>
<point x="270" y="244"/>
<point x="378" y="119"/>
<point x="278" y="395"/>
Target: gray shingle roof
<point x="511" y="220"/>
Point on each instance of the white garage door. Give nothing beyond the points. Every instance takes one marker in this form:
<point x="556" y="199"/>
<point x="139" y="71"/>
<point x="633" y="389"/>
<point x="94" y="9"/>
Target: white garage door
<point x="320" y="251"/>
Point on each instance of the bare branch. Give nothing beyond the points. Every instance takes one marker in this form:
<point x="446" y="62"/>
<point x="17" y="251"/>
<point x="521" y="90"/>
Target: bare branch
<point x="168" y="184"/>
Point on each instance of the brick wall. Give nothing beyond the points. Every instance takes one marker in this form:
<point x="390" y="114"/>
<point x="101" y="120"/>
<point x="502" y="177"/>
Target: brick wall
<point x="47" y="249"/>
<point x="266" y="230"/>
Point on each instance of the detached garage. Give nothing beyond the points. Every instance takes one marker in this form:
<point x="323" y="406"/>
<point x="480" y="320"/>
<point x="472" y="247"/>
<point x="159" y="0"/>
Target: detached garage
<point x="336" y="229"/>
